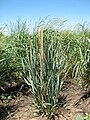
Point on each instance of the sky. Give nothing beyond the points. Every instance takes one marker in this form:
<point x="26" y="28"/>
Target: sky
<point x="73" y="11"/>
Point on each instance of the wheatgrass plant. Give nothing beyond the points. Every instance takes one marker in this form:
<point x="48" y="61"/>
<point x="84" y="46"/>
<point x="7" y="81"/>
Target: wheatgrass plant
<point x="12" y="49"/>
<point x="50" y="71"/>
<point x="76" y="50"/>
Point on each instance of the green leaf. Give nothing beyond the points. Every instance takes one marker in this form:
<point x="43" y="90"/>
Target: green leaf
<point x="79" y="118"/>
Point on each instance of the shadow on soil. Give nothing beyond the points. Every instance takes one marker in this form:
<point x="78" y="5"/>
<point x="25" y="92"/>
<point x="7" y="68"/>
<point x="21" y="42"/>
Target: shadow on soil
<point x="7" y="111"/>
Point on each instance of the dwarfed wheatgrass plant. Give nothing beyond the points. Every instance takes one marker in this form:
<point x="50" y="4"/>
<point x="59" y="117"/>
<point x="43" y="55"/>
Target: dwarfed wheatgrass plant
<point x="50" y="71"/>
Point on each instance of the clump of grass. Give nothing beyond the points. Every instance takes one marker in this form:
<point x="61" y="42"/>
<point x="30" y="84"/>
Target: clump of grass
<point x="50" y="71"/>
<point x="76" y="49"/>
<point x="11" y="51"/>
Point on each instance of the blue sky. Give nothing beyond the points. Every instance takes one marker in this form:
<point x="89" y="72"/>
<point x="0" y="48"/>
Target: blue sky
<point x="72" y="10"/>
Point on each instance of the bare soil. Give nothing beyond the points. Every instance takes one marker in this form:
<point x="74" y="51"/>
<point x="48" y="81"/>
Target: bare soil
<point x="18" y="104"/>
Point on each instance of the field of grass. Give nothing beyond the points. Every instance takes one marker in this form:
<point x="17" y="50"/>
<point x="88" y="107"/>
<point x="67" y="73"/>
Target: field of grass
<point x="66" y="55"/>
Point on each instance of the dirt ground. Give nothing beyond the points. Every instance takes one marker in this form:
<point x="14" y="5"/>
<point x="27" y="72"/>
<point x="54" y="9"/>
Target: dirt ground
<point x="19" y="106"/>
